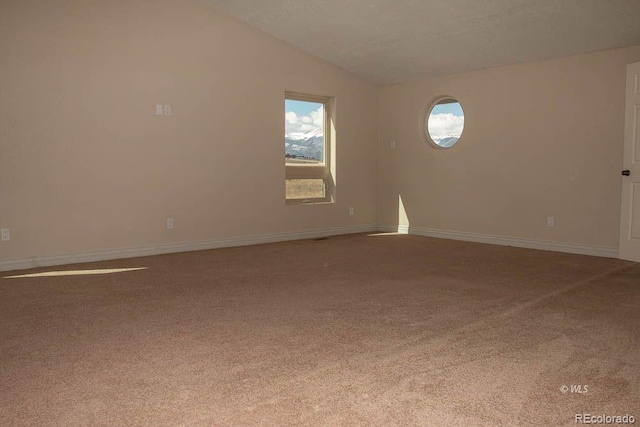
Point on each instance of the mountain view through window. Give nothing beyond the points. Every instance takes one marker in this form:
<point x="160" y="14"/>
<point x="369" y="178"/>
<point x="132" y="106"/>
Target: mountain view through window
<point x="446" y="122"/>
<point x="304" y="132"/>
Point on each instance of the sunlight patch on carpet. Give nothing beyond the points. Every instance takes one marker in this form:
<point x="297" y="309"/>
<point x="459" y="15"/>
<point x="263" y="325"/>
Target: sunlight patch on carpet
<point x="77" y="272"/>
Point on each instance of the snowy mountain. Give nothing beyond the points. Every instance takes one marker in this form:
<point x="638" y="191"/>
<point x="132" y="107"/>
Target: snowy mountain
<point x="446" y="141"/>
<point x="307" y="145"/>
<point x="315" y="133"/>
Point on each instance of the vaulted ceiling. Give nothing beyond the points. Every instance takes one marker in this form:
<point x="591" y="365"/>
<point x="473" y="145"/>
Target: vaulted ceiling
<point x="392" y="41"/>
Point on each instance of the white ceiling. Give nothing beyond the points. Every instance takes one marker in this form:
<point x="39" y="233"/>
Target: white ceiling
<point x="391" y="41"/>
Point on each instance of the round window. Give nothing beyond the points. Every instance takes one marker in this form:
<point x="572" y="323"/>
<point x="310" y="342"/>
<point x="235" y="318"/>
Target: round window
<point x="444" y="122"/>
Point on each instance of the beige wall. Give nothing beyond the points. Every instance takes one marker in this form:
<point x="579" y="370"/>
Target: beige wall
<point x="541" y="138"/>
<point x="86" y="165"/>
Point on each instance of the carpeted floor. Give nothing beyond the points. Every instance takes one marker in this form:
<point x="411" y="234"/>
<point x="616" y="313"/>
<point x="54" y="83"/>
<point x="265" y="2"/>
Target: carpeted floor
<point x="352" y="330"/>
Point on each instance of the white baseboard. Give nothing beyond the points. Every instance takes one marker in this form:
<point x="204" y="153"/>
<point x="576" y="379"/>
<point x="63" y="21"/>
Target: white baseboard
<point x="103" y="255"/>
<point x="571" y="248"/>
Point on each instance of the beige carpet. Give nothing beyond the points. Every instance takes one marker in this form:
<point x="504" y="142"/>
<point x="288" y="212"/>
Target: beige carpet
<point x="352" y="330"/>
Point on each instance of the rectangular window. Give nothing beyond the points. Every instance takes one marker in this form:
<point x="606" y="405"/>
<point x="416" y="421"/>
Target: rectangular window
<point x="307" y="149"/>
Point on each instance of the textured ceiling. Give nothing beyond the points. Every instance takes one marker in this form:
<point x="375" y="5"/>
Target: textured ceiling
<point x="391" y="41"/>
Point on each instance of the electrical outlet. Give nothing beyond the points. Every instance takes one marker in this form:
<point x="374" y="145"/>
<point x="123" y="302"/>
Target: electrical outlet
<point x="392" y="144"/>
<point x="5" y="234"/>
<point x="169" y="223"/>
<point x="168" y="110"/>
<point x="551" y="221"/>
<point x="351" y="211"/>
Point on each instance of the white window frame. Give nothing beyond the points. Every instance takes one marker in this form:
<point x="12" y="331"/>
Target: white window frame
<point x="319" y="170"/>
<point x="426" y="113"/>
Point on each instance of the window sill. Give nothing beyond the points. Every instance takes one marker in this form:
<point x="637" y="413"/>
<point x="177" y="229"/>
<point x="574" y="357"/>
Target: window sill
<point x="309" y="203"/>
